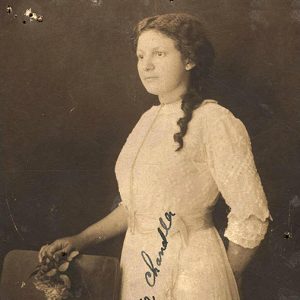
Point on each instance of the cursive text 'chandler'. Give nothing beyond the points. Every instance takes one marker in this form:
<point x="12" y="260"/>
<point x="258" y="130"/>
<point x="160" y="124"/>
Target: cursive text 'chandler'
<point x="153" y="271"/>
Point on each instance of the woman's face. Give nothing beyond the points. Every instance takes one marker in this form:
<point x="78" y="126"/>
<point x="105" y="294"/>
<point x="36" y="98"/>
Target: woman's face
<point x="160" y="65"/>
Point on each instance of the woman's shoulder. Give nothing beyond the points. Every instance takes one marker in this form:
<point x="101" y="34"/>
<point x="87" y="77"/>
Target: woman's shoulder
<point x="148" y="113"/>
<point x="152" y="110"/>
<point x="212" y="111"/>
<point x="213" y="117"/>
<point x="219" y="123"/>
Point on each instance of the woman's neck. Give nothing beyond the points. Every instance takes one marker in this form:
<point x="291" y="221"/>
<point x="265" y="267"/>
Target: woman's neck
<point x="177" y="93"/>
<point x="171" y="97"/>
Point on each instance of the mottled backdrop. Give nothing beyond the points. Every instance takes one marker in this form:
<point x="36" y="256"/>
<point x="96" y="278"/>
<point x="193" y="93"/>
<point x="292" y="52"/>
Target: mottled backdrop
<point x="70" y="95"/>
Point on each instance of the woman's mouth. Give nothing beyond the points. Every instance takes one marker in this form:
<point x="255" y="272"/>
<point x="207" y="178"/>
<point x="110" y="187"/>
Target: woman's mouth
<point x="150" y="78"/>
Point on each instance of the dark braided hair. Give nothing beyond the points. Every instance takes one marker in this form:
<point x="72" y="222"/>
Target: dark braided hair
<point x="190" y="40"/>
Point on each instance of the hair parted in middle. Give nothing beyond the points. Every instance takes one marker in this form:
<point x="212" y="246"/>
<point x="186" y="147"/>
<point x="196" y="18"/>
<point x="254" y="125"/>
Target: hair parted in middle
<point x="190" y="40"/>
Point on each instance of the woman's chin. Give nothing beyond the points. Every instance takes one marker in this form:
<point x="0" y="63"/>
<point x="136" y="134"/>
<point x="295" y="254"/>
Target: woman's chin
<point x="152" y="90"/>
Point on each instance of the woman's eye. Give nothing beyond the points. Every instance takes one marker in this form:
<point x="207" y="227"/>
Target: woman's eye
<point x="139" y="56"/>
<point x="160" y="53"/>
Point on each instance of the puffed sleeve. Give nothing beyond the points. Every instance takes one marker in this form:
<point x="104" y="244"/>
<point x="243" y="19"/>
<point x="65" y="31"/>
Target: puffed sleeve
<point x="231" y="164"/>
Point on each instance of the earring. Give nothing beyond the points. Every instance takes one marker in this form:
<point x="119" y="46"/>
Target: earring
<point x="188" y="67"/>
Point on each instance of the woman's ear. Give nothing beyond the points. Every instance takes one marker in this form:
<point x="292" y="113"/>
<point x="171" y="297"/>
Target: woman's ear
<point x="189" y="65"/>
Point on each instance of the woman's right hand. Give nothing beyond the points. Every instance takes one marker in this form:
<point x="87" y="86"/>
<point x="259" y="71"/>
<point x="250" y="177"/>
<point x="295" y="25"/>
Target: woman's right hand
<point x="60" y="247"/>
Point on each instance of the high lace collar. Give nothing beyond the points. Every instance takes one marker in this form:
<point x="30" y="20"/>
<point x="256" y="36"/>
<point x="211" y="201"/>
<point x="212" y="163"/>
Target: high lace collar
<point x="175" y="107"/>
<point x="170" y="108"/>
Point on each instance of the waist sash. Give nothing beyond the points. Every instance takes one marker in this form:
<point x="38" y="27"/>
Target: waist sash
<point x="146" y="223"/>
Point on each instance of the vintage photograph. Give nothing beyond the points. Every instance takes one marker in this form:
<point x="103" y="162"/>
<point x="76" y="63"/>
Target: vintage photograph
<point x="150" y="150"/>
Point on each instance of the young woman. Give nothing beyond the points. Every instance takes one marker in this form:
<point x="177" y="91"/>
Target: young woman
<point x="176" y="160"/>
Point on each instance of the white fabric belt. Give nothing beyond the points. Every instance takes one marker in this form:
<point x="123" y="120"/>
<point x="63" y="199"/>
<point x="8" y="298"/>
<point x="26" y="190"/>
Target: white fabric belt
<point x="182" y="224"/>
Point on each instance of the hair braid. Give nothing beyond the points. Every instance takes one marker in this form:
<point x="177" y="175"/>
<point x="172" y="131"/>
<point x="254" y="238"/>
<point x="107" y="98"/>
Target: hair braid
<point x="191" y="101"/>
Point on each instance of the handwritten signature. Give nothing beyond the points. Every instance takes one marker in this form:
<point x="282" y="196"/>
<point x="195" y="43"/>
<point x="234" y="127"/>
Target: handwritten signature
<point x="151" y="275"/>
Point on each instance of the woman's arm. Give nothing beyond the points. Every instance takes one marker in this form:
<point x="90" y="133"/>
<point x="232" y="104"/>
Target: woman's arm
<point x="239" y="257"/>
<point x="113" y="224"/>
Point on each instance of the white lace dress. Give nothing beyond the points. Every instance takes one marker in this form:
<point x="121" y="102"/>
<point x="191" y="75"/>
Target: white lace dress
<point x="187" y="258"/>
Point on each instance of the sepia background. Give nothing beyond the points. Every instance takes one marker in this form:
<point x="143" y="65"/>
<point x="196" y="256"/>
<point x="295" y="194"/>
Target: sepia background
<point x="70" y="95"/>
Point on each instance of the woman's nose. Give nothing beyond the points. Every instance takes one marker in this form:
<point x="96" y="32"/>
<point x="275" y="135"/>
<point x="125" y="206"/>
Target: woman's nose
<point x="148" y="65"/>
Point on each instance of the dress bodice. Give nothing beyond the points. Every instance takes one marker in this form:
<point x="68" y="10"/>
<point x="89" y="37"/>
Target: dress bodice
<point x="216" y="157"/>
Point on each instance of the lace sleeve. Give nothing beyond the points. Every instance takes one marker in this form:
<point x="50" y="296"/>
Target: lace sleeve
<point x="231" y="163"/>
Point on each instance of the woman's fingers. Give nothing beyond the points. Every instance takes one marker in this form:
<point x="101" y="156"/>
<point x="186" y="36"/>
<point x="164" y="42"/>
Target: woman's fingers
<point x="49" y="250"/>
<point x="63" y="252"/>
<point x="53" y="248"/>
<point x="57" y="249"/>
<point x="43" y="252"/>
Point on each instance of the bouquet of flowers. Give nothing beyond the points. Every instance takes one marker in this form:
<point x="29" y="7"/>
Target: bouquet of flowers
<point x="53" y="277"/>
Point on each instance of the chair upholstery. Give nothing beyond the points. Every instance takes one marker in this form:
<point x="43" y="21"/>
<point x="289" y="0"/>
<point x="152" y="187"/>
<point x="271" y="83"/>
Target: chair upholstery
<point x="100" y="274"/>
